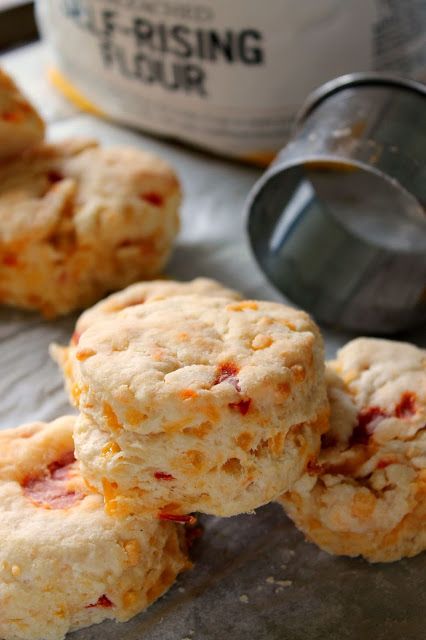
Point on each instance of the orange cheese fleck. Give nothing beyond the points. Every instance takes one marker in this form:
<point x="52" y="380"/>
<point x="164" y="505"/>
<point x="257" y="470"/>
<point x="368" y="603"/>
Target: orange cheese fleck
<point x="290" y="325"/>
<point x="110" y="418"/>
<point x="284" y="388"/>
<point x="134" y="417"/>
<point x="75" y="393"/>
<point x="363" y="505"/>
<point x="187" y="394"/>
<point x="67" y="367"/>
<point x="298" y="372"/>
<point x="261" y="342"/>
<point x="199" y="432"/>
<point x="211" y="412"/>
<point x="130" y="598"/>
<point x="242" y="306"/>
<point x="109" y="489"/>
<point x="110" y="448"/>
<point x="176" y="425"/>
<point x="84" y="354"/>
<point x="133" y="550"/>
<point x="110" y="493"/>
<point x="276" y="444"/>
<point x="195" y="458"/>
<point x="244" y="440"/>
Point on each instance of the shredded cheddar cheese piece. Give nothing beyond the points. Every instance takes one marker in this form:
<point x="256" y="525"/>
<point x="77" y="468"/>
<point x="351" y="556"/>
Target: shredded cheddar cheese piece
<point x="110" y="448"/>
<point x="242" y="306"/>
<point x="110" y="418"/>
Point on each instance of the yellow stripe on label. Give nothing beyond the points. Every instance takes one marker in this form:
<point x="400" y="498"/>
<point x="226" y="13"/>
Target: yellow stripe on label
<point x="66" y="87"/>
<point x="260" y="158"/>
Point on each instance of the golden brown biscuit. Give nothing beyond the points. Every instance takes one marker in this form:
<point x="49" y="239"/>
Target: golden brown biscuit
<point x="77" y="221"/>
<point x="64" y="563"/>
<point x="366" y="495"/>
<point x="198" y="404"/>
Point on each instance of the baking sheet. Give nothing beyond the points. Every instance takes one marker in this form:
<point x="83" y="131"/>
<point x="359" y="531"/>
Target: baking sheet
<point x="254" y="576"/>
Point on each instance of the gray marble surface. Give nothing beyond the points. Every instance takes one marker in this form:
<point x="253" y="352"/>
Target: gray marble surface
<point x="234" y="590"/>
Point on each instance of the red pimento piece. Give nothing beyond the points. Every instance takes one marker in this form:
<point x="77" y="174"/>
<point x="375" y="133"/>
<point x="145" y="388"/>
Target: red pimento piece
<point x="406" y="406"/>
<point x="103" y="601"/>
<point x="160" y="475"/>
<point x="175" y="517"/>
<point x="25" y="107"/>
<point x="67" y="459"/>
<point x="313" y="467"/>
<point x="228" y="372"/>
<point x="11" y="116"/>
<point x="243" y="406"/>
<point x="192" y="534"/>
<point x="153" y="198"/>
<point x="50" y="491"/>
<point x="368" y="420"/>
<point x="328" y="441"/>
<point x="75" y="338"/>
<point x="54" y="176"/>
<point x="382" y="464"/>
<point x="10" y="260"/>
<point x="46" y="493"/>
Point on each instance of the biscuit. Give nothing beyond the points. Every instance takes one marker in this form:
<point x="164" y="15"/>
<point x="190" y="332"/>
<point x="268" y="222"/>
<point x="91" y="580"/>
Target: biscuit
<point x="20" y="125"/>
<point x="78" y="221"/>
<point x="366" y="495"/>
<point x="198" y="404"/>
<point x="64" y="563"/>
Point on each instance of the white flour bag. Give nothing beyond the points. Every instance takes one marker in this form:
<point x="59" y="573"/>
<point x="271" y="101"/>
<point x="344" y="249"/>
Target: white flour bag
<point x="225" y="75"/>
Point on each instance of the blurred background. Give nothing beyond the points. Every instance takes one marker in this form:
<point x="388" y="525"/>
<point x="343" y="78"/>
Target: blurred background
<point x="17" y="23"/>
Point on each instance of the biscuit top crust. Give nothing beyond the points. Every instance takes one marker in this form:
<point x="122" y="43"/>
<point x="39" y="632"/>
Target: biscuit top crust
<point x="85" y="186"/>
<point x="172" y="361"/>
<point x="142" y="292"/>
<point x="381" y="394"/>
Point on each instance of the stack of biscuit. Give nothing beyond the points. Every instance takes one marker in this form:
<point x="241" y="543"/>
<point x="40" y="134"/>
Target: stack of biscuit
<point x="218" y="405"/>
<point x="200" y="401"/>
<point x="190" y="399"/>
<point x="194" y="402"/>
